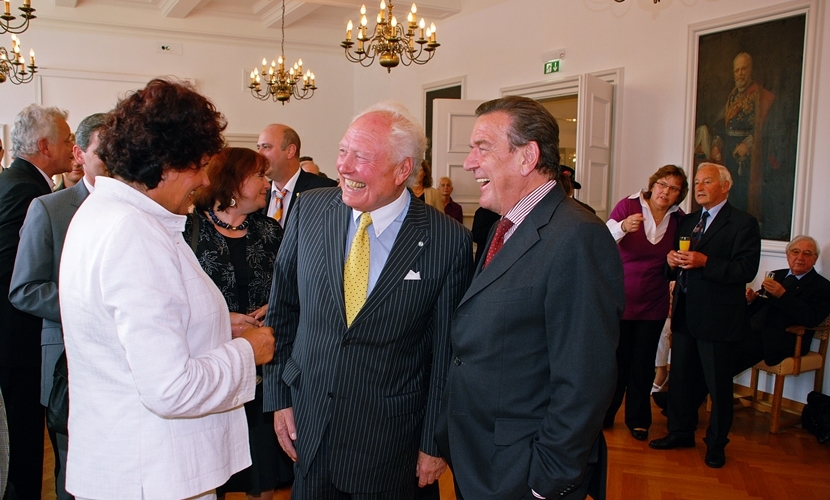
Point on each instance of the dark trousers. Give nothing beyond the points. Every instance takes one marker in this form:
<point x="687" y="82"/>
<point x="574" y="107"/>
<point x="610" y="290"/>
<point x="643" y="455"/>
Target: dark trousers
<point x="60" y="446"/>
<point x="26" y="419"/>
<point x="635" y="372"/>
<point x="317" y="485"/>
<point x="699" y="366"/>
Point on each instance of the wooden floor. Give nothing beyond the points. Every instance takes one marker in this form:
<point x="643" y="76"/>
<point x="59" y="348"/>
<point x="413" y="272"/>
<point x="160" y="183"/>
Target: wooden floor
<point x="788" y="466"/>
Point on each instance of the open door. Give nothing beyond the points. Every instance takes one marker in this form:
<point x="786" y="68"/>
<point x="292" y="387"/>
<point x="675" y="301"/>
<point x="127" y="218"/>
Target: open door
<point x="593" y="142"/>
<point x="452" y="124"/>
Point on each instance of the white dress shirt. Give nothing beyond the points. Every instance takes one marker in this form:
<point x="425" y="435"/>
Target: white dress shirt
<point x="157" y="383"/>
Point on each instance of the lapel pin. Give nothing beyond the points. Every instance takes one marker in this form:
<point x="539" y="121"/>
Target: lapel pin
<point x="420" y="243"/>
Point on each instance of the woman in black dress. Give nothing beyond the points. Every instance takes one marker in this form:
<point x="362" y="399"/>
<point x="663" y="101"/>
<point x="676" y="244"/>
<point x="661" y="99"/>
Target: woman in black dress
<point x="236" y="246"/>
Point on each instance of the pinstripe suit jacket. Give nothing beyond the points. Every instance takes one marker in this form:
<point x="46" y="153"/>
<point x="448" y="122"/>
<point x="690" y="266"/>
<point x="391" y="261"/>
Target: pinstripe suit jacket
<point x="375" y="387"/>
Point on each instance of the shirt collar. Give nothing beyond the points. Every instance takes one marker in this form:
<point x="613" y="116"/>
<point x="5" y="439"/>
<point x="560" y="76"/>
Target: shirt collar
<point x="383" y="216"/>
<point x="518" y="213"/>
<point x="713" y="212"/>
<point x="89" y="186"/>
<point x="289" y="186"/>
<point x="113" y="188"/>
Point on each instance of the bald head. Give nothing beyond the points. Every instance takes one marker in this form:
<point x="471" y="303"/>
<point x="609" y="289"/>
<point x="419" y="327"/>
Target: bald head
<point x="280" y="144"/>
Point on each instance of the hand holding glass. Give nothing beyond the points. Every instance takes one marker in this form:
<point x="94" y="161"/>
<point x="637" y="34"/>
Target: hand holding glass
<point x="763" y="294"/>
<point x="685" y="243"/>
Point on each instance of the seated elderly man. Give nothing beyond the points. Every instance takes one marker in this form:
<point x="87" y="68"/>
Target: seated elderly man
<point x="795" y="296"/>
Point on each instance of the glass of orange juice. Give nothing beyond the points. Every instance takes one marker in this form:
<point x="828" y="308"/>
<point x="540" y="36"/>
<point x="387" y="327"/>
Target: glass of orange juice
<point x="685" y="242"/>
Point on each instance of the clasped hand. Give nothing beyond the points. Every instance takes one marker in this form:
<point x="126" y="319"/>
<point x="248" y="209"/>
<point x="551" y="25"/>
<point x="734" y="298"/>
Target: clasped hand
<point x="686" y="260"/>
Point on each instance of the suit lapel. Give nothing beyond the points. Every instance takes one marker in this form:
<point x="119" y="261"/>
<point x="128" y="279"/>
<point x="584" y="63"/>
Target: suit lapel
<point x="336" y="220"/>
<point x="412" y="239"/>
<point x="720" y="221"/>
<point x="525" y="236"/>
<point x="79" y="194"/>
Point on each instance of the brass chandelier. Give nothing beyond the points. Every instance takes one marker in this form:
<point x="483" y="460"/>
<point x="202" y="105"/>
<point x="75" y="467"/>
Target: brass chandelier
<point x="390" y="41"/>
<point x="13" y="68"/>
<point x="7" y="18"/>
<point x="281" y="85"/>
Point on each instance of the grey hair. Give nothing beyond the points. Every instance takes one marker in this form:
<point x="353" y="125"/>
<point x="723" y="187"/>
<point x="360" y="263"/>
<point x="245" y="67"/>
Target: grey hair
<point x="406" y="137"/>
<point x="803" y="237"/>
<point x="83" y="134"/>
<point x="34" y="123"/>
<point x="723" y="172"/>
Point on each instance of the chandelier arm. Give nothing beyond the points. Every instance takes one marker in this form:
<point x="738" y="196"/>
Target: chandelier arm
<point x="6" y="27"/>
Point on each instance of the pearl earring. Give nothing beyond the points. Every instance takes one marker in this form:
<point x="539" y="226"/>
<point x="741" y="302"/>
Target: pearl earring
<point x="233" y="202"/>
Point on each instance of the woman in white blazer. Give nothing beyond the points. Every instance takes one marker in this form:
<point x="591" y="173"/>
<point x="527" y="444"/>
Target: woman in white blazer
<point x="157" y="383"/>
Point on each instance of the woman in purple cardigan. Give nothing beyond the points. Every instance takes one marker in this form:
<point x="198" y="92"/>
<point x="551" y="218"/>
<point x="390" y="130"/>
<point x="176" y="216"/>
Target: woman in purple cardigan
<point x="644" y="225"/>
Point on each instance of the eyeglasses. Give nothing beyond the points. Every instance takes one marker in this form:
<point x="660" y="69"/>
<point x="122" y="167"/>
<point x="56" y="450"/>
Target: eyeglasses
<point x="673" y="189"/>
<point x="806" y="253"/>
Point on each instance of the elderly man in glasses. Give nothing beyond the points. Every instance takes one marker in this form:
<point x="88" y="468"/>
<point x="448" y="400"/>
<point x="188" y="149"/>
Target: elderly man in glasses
<point x="797" y="295"/>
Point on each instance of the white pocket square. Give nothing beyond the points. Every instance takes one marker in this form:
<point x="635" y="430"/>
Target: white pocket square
<point x="412" y="275"/>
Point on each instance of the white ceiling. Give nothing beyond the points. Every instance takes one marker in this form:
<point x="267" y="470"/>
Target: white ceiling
<point x="310" y="23"/>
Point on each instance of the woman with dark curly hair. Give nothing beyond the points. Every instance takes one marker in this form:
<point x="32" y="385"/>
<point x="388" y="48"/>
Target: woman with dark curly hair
<point x="644" y="225"/>
<point x="236" y="246"/>
<point x="157" y="381"/>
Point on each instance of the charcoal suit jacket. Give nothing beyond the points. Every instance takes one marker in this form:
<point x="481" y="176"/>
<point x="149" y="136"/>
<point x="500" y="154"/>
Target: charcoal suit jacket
<point x="34" y="285"/>
<point x="716" y="296"/>
<point x="374" y="387"/>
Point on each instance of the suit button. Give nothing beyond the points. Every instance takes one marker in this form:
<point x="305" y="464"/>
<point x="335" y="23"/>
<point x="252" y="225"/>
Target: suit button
<point x="347" y="342"/>
<point x="331" y="396"/>
<point x="457" y="361"/>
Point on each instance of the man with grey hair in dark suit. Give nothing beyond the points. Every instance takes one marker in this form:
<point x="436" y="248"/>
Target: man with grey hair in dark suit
<point x="42" y="147"/>
<point x="535" y="336"/>
<point x="364" y="288"/>
<point x="34" y="285"/>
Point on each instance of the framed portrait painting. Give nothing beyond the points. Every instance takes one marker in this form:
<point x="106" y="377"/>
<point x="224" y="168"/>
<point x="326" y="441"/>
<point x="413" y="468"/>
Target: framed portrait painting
<point x="752" y="85"/>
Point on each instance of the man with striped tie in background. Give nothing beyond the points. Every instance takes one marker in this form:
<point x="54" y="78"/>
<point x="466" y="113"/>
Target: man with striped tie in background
<point x="364" y="288"/>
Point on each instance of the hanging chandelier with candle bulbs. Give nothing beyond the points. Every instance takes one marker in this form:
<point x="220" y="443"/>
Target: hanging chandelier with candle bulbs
<point x="12" y="66"/>
<point x="391" y="42"/>
<point x="7" y="18"/>
<point x="280" y="85"/>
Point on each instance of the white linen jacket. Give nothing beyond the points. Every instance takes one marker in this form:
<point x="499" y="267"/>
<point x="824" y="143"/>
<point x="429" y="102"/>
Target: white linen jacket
<point x="156" y="383"/>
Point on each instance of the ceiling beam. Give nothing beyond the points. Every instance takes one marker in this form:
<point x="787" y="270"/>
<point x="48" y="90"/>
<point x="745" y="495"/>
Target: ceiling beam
<point x="66" y="3"/>
<point x="178" y="8"/>
<point x="270" y="11"/>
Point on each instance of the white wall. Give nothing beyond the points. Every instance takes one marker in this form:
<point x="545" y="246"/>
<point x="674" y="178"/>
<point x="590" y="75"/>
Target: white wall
<point x="217" y="69"/>
<point x="494" y="47"/>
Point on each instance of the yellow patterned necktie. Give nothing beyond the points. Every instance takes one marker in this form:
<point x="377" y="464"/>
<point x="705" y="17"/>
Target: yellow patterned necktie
<point x="280" y="195"/>
<point x="356" y="271"/>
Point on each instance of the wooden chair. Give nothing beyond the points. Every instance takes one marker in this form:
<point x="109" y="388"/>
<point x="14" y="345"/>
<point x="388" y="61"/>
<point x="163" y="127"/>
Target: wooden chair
<point x="795" y="365"/>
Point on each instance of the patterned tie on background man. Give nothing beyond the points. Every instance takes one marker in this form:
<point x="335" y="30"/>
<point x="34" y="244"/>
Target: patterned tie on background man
<point x="356" y="270"/>
<point x="498" y="239"/>
<point x="280" y="195"/>
<point x="697" y="233"/>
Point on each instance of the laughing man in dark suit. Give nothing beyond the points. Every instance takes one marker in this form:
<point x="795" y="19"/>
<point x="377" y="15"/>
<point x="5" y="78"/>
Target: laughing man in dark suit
<point x="357" y="386"/>
<point x="535" y="335"/>
<point x="709" y="311"/>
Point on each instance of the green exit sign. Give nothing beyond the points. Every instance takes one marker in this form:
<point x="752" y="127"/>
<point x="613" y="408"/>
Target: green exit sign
<point x="552" y="66"/>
